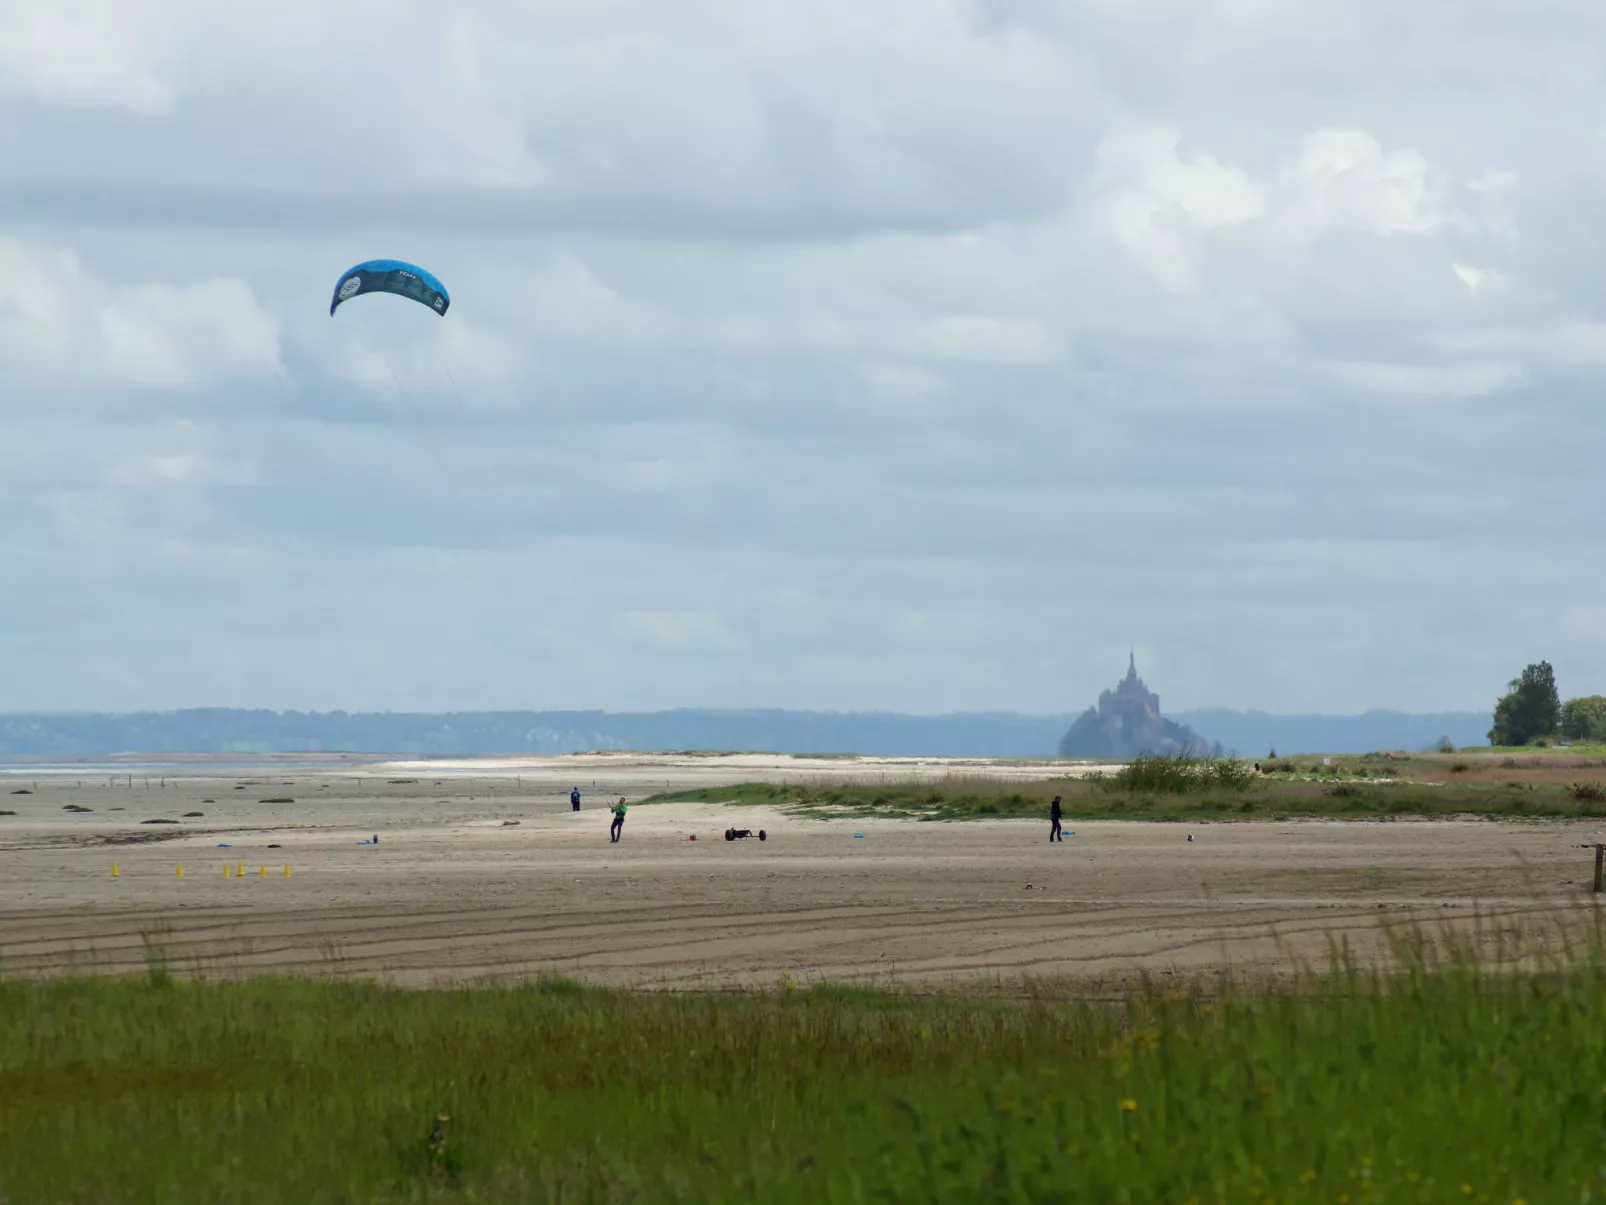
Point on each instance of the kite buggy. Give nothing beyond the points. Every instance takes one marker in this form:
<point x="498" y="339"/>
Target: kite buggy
<point x="732" y="834"/>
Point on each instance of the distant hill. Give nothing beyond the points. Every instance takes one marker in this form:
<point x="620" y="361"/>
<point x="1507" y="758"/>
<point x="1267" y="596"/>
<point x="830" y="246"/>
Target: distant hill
<point x="228" y="730"/>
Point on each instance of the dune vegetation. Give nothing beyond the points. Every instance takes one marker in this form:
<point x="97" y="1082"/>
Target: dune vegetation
<point x="1375" y="786"/>
<point x="1450" y="1077"/>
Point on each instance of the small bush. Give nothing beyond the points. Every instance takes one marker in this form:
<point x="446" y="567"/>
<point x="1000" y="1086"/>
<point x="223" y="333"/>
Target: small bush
<point x="1460" y="767"/>
<point x="6" y="812"/>
<point x="1179" y="774"/>
<point x="1587" y="792"/>
<point x="193" y="815"/>
<point x="277" y="799"/>
<point x="75" y="807"/>
<point x="159" y="821"/>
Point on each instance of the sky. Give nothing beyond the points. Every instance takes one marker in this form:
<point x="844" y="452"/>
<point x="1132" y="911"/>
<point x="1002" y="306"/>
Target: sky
<point x="923" y="355"/>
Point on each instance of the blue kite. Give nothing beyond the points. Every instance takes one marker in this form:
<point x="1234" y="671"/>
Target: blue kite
<point x="391" y="276"/>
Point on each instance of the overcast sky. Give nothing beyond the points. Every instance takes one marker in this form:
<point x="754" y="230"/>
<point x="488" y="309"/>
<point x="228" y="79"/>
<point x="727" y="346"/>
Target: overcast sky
<point x="917" y="354"/>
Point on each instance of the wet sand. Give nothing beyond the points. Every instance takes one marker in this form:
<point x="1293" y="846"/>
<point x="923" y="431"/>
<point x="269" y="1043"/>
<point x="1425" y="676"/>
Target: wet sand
<point x="453" y="893"/>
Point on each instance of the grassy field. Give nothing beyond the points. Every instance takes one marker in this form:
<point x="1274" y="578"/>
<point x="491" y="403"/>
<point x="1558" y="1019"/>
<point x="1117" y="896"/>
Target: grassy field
<point x="1440" y="1082"/>
<point x="1535" y="784"/>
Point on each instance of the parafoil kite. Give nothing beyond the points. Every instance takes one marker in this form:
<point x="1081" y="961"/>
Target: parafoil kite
<point x="391" y="276"/>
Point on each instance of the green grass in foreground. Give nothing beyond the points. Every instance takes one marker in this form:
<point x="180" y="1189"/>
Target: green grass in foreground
<point x="1441" y="1082"/>
<point x="1180" y="789"/>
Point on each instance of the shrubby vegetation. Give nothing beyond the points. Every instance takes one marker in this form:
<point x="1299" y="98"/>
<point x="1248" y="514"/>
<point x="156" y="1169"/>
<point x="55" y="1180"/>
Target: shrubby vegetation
<point x="1180" y="774"/>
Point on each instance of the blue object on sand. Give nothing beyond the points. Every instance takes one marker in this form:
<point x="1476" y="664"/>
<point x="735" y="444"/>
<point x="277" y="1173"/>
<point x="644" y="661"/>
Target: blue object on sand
<point x="224" y="845"/>
<point x="858" y="834"/>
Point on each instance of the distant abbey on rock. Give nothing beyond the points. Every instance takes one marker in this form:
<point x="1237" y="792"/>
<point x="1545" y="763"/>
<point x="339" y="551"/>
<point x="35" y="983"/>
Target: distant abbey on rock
<point x="1128" y="722"/>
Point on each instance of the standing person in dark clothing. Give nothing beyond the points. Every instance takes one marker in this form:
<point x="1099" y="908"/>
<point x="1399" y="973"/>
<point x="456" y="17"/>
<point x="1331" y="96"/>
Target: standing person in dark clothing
<point x="1054" y="833"/>
<point x="618" y="825"/>
<point x="574" y="800"/>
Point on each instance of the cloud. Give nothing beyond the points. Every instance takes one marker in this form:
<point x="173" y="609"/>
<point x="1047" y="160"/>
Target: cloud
<point x="918" y="356"/>
<point x="85" y="54"/>
<point x="1002" y="340"/>
<point x="1426" y="382"/>
<point x="1160" y="203"/>
<point x="63" y="326"/>
<point x="673" y="631"/>
<point x="1343" y="179"/>
<point x="903" y="382"/>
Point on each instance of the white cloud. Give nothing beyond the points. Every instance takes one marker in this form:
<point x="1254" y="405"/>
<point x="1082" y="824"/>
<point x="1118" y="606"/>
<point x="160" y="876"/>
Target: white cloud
<point x="1478" y="280"/>
<point x="1152" y="199"/>
<point x="62" y="326"/>
<point x="996" y="340"/>
<point x="189" y="335"/>
<point x="1425" y="382"/>
<point x="1148" y="171"/>
<point x="176" y="468"/>
<point x="673" y="631"/>
<point x="1162" y="205"/>
<point x="1343" y="179"/>
<point x="903" y="382"/>
<point x="80" y="53"/>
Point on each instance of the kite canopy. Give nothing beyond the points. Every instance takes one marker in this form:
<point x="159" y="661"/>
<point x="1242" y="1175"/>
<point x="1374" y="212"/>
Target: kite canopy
<point x="391" y="276"/>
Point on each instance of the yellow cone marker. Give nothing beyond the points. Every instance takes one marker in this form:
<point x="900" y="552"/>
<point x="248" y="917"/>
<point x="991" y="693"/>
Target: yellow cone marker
<point x="228" y="871"/>
<point x="287" y="870"/>
<point x="115" y="870"/>
<point x="179" y="873"/>
<point x="239" y="871"/>
<point x="262" y="872"/>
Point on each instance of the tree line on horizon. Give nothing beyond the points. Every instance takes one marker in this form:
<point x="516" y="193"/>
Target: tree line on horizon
<point x="1531" y="712"/>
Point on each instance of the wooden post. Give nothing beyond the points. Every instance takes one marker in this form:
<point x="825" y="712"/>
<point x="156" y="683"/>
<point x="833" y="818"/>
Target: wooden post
<point x="1600" y="865"/>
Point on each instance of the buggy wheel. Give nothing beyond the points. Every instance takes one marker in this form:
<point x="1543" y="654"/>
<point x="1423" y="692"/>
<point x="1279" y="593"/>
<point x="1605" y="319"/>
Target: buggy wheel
<point x="730" y="835"/>
<point x="761" y="835"/>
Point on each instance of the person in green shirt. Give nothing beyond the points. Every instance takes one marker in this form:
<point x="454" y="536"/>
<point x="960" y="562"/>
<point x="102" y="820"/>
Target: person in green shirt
<point x="619" y="810"/>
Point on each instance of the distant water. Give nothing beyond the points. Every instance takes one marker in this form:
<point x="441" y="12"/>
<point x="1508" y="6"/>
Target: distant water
<point x="179" y="766"/>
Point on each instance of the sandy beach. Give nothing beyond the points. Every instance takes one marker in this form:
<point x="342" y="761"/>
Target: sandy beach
<point x="454" y="892"/>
